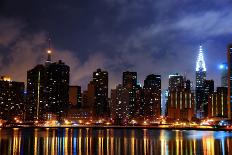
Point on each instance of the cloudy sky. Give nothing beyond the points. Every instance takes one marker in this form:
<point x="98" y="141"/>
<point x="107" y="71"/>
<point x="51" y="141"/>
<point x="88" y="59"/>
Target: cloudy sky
<point x="147" y="36"/>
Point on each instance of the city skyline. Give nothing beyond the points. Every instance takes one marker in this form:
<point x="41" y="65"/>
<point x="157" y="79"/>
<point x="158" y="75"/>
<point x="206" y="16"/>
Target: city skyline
<point x="114" y="38"/>
<point x="51" y="53"/>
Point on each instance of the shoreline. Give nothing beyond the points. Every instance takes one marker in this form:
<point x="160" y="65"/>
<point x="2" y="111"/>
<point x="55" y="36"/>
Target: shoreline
<point x="122" y="127"/>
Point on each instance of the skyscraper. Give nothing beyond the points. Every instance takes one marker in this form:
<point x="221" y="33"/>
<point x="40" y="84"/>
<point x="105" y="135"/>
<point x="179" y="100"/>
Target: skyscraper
<point x="180" y="99"/>
<point x="129" y="81"/>
<point x="120" y="104"/>
<point x="47" y="89"/>
<point x="208" y="90"/>
<point x="152" y="96"/>
<point x="200" y="77"/>
<point x="12" y="101"/>
<point x="101" y="105"/>
<point x="36" y="97"/>
<point x="229" y="62"/>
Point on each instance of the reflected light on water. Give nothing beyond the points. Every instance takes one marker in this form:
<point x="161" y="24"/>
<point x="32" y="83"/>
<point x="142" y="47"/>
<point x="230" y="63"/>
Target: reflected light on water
<point x="90" y="141"/>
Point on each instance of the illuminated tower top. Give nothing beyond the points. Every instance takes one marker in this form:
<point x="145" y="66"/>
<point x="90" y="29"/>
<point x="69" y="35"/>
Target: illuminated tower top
<point x="49" y="52"/>
<point x="200" y="65"/>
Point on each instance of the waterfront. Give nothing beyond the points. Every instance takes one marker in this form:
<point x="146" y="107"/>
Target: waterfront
<point x="113" y="141"/>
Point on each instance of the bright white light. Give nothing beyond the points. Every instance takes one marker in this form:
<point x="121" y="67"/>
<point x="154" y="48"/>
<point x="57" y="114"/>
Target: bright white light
<point x="200" y="65"/>
<point x="221" y="66"/>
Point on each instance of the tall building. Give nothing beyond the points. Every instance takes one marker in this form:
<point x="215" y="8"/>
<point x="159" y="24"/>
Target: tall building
<point x="176" y="82"/>
<point x="36" y="97"/>
<point x="11" y="99"/>
<point x="119" y="104"/>
<point x="100" y="82"/>
<point x="224" y="74"/>
<point x="129" y="81"/>
<point x="57" y="87"/>
<point x="151" y="96"/>
<point x="180" y="105"/>
<point x="200" y="77"/>
<point x="229" y="62"/>
<point x="217" y="106"/>
<point x="208" y="89"/>
<point x="180" y="99"/>
<point x="47" y="89"/>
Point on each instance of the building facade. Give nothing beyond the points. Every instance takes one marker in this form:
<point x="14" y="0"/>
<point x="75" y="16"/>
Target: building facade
<point x="120" y="104"/>
<point x="181" y="100"/>
<point x="47" y="90"/>
<point x="217" y="106"/>
<point x="101" y="104"/>
<point x="12" y="99"/>
<point x="208" y="89"/>
<point x="229" y="96"/>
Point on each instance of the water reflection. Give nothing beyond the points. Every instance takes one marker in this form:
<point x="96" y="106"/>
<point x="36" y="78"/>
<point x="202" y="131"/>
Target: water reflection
<point x="113" y="141"/>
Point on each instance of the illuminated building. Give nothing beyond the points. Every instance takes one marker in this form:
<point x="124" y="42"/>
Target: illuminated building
<point x="224" y="74"/>
<point x="200" y="77"/>
<point x="119" y="104"/>
<point x="208" y="89"/>
<point x="11" y="99"/>
<point x="36" y="97"/>
<point x="100" y="83"/>
<point x="75" y="96"/>
<point x="129" y="81"/>
<point x="176" y="82"/>
<point x="217" y="106"/>
<point x="47" y="89"/>
<point x="181" y="105"/>
<point x="229" y="62"/>
<point x="180" y="99"/>
<point x="164" y="102"/>
<point x="152" y="96"/>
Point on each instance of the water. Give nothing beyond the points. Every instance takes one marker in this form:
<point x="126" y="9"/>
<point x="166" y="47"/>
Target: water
<point x="113" y="141"/>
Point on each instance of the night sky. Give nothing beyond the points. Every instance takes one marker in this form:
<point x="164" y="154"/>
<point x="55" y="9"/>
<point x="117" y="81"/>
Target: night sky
<point x="147" y="36"/>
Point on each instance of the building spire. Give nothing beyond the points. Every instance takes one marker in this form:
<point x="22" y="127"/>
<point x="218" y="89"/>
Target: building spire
<point x="49" y="51"/>
<point x="200" y="64"/>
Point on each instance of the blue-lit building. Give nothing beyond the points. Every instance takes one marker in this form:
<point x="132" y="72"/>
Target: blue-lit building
<point x="200" y="78"/>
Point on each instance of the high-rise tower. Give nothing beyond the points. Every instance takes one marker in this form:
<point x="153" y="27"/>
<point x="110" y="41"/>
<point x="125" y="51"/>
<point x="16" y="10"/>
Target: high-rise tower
<point x="200" y="78"/>
<point x="229" y="59"/>
<point x="47" y="89"/>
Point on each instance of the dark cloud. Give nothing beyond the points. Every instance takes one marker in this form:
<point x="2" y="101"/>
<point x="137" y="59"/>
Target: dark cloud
<point x="146" y="36"/>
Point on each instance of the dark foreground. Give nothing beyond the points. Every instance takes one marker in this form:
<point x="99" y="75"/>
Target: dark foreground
<point x="113" y="141"/>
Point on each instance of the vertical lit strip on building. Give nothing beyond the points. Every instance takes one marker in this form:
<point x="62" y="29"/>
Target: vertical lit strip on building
<point x="176" y="100"/>
<point x="185" y="100"/>
<point x="212" y="105"/>
<point x="190" y="100"/>
<point x="216" y="105"/>
<point x="222" y="104"/>
<point x="180" y="100"/>
<point x="38" y="96"/>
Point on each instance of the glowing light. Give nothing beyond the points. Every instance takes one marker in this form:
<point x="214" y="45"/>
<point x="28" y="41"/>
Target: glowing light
<point x="49" y="51"/>
<point x="221" y="66"/>
<point x="5" y="78"/>
<point x="200" y="65"/>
